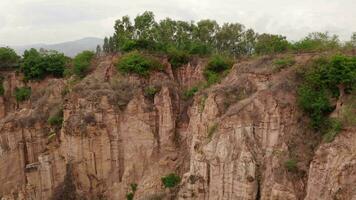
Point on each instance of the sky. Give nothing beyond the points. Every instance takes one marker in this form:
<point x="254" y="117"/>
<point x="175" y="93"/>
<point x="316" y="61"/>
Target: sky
<point x="24" y="22"/>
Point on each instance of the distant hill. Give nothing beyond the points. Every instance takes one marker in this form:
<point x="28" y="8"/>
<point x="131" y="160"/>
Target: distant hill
<point x="70" y="48"/>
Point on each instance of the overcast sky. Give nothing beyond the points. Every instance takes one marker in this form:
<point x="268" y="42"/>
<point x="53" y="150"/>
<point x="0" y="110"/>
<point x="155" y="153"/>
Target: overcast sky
<point x="51" y="21"/>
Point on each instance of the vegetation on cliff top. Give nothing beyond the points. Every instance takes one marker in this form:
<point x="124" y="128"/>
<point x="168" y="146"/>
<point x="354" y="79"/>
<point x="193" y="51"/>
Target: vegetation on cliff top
<point x="8" y="58"/>
<point x="327" y="80"/>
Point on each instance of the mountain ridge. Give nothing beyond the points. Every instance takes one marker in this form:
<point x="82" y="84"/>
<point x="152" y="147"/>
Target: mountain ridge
<point x="69" y="48"/>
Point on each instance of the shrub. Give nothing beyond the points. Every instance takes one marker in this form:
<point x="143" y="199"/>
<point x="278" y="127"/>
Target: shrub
<point x="37" y="65"/>
<point x="325" y="79"/>
<point x="271" y="44"/>
<point x="22" y="94"/>
<point x="137" y="63"/>
<point x="81" y="63"/>
<point x="133" y="187"/>
<point x="177" y="57"/>
<point x="171" y="180"/>
<point x="130" y="196"/>
<point x="8" y="58"/>
<point x="291" y="165"/>
<point x="317" y="42"/>
<point x="151" y="91"/>
<point x="217" y="66"/>
<point x="190" y="93"/>
<point x="2" y="89"/>
<point x="56" y="120"/>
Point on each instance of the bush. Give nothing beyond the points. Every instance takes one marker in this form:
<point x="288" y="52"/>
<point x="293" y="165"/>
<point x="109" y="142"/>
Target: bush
<point x="137" y="63"/>
<point x="291" y="165"/>
<point x="2" y="89"/>
<point x="190" y="93"/>
<point x="37" y="65"/>
<point x="56" y="120"/>
<point x="8" y="58"/>
<point x="317" y="42"/>
<point x="130" y="196"/>
<point x="22" y="94"/>
<point x="326" y="78"/>
<point x="81" y="63"/>
<point x="171" y="180"/>
<point x="151" y="91"/>
<point x="217" y="66"/>
<point x="271" y="44"/>
<point x="177" y="57"/>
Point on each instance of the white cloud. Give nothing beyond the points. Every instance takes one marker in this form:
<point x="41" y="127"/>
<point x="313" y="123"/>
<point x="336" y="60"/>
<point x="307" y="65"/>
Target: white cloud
<point x="50" y="21"/>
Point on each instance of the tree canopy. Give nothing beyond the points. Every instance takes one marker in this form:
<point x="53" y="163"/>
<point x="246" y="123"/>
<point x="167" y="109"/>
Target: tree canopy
<point x="39" y="64"/>
<point x="8" y="58"/>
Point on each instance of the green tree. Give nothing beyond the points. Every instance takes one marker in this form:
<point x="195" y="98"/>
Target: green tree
<point x="8" y="58"/>
<point x="229" y="38"/>
<point x="37" y="65"/>
<point x="317" y="41"/>
<point x="81" y="63"/>
<point x="106" y="47"/>
<point x="271" y="44"/>
<point x="205" y="32"/>
<point x="144" y="25"/>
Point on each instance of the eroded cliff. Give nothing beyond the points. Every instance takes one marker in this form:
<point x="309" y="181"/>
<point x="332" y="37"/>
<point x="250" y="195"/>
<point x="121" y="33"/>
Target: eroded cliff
<point x="230" y="141"/>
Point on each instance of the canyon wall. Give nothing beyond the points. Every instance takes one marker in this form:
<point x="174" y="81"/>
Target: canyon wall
<point x="229" y="142"/>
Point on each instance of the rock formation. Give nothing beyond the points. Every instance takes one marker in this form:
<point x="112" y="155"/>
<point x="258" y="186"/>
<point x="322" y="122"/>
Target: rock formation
<point x="230" y="142"/>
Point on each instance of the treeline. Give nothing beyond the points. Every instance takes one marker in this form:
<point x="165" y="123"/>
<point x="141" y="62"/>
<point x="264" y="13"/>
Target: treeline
<point x="208" y="37"/>
<point x="38" y="64"/>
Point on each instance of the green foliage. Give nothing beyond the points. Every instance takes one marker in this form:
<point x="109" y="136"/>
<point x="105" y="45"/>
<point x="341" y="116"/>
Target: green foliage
<point x="56" y="119"/>
<point x="291" y="165"/>
<point x="326" y="79"/>
<point x="190" y="93"/>
<point x="177" y="57"/>
<point x="317" y="42"/>
<point x="137" y="63"/>
<point x="133" y="187"/>
<point x="151" y="91"/>
<point x="81" y="63"/>
<point x="282" y="63"/>
<point x="334" y="126"/>
<point x="171" y="180"/>
<point x="8" y="58"/>
<point x="2" y="89"/>
<point x="217" y="66"/>
<point x="271" y="44"/>
<point x="201" y="38"/>
<point x="37" y="65"/>
<point x="22" y="94"/>
<point x="130" y="196"/>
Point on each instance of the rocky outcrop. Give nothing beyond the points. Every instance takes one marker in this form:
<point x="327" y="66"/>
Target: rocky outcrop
<point x="231" y="141"/>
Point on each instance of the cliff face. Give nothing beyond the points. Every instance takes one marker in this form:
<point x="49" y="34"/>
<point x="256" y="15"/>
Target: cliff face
<point x="231" y="141"/>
